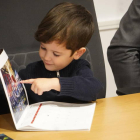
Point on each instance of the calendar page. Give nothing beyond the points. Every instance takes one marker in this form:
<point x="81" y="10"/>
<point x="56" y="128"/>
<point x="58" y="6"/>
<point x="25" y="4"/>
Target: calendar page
<point x="63" y="116"/>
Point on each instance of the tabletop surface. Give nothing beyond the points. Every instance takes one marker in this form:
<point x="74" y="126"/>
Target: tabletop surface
<point x="115" y="118"/>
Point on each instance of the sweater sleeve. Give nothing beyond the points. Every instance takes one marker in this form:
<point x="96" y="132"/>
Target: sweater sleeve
<point x="82" y="86"/>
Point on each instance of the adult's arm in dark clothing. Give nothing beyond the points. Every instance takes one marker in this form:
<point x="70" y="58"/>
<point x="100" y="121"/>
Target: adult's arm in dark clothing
<point x="124" y="50"/>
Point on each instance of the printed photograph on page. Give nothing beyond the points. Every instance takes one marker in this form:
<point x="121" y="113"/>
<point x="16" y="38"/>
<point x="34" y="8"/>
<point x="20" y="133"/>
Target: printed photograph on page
<point x="15" y="90"/>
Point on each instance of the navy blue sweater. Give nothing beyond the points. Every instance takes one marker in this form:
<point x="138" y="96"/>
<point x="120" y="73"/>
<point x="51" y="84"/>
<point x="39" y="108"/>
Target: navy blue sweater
<point x="76" y="81"/>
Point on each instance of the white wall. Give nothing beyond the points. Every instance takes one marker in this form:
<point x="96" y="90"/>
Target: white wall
<point x="109" y="13"/>
<point x="108" y="10"/>
<point x="106" y="36"/>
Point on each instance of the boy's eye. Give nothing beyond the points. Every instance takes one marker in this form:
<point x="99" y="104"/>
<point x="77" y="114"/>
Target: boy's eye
<point x="42" y="48"/>
<point x="56" y="54"/>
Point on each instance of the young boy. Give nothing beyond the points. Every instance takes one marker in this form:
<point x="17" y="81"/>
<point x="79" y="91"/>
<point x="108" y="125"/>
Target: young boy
<point x="61" y="75"/>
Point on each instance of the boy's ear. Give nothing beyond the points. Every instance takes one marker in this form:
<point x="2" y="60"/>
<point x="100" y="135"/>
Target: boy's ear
<point x="79" y="53"/>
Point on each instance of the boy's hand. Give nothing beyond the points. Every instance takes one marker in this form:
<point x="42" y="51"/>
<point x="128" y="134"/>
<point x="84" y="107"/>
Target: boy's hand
<point x="40" y="85"/>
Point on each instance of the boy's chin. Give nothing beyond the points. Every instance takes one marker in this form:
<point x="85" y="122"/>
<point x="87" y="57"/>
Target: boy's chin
<point x="53" y="68"/>
<point x="50" y="69"/>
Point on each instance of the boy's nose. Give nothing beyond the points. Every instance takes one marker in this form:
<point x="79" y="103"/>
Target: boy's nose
<point x="47" y="57"/>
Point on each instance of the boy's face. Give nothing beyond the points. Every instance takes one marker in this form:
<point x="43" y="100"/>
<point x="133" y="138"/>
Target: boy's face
<point x="55" y="56"/>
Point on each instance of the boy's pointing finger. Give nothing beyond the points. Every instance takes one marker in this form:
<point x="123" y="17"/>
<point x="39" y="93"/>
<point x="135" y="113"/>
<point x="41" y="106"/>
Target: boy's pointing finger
<point x="29" y="81"/>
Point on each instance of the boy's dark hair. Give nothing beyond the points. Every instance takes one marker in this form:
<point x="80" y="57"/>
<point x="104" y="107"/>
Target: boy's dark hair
<point x="66" y="23"/>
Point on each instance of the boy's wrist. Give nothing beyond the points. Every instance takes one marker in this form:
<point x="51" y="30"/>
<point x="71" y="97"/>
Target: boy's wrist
<point x="55" y="84"/>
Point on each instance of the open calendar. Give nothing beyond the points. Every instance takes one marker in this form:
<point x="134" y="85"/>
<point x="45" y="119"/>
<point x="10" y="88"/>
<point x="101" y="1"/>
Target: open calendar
<point x="44" y="116"/>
